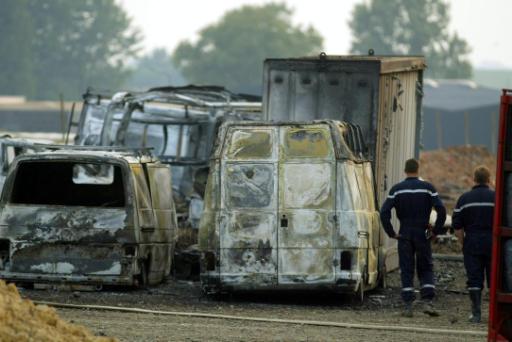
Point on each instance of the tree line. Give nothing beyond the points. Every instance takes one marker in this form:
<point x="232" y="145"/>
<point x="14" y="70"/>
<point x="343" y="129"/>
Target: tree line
<point x="53" y="48"/>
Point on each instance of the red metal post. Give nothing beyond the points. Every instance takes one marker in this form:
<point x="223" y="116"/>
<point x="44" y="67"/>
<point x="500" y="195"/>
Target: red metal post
<point x="495" y="315"/>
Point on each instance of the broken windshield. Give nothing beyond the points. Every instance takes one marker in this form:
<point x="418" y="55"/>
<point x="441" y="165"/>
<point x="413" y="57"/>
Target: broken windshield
<point x="179" y="141"/>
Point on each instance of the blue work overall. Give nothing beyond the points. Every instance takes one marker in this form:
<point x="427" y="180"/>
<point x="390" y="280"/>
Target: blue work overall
<point x="474" y="213"/>
<point x="413" y="200"/>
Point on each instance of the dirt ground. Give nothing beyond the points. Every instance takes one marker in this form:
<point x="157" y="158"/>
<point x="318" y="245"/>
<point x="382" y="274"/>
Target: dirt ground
<point x="381" y="306"/>
<point x="450" y="170"/>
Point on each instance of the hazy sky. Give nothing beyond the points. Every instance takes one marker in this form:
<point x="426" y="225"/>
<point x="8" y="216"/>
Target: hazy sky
<point x="482" y="23"/>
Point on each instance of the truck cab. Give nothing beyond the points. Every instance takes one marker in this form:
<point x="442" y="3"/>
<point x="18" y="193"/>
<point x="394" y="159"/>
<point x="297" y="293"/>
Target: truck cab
<point x="87" y="216"/>
<point x="290" y="205"/>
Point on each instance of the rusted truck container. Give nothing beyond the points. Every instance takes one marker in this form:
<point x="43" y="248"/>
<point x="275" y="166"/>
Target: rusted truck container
<point x="381" y="94"/>
<point x="86" y="217"/>
<point x="290" y="206"/>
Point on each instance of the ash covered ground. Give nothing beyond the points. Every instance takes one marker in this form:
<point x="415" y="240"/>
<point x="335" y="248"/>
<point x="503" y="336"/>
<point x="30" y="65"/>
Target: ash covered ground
<point x="381" y="306"/>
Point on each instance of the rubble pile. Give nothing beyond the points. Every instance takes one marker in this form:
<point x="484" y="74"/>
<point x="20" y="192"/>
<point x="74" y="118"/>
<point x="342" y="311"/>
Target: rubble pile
<point x="22" y="320"/>
<point x="451" y="170"/>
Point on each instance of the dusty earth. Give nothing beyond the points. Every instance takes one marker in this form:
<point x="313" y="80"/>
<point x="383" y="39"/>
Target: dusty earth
<point x="21" y="320"/>
<point x="380" y="306"/>
<point x="451" y="170"/>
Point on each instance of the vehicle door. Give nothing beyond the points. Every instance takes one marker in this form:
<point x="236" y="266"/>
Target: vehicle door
<point x="307" y="179"/>
<point x="248" y="213"/>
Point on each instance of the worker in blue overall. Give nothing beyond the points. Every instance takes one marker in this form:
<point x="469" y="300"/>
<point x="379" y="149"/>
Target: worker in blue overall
<point x="472" y="222"/>
<point x="413" y="200"/>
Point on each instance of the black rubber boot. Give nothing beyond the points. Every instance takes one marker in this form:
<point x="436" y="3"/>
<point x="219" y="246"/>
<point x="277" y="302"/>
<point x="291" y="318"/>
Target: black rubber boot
<point x="407" y="312"/>
<point x="428" y="309"/>
<point x="476" y="300"/>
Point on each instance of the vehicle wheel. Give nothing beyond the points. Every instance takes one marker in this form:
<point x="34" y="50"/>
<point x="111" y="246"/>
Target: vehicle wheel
<point x="383" y="278"/>
<point x="361" y="293"/>
<point x="142" y="278"/>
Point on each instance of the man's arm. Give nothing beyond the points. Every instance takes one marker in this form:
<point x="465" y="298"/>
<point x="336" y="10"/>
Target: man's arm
<point x="385" y="216"/>
<point x="441" y="213"/>
<point x="457" y="222"/>
<point x="459" y="233"/>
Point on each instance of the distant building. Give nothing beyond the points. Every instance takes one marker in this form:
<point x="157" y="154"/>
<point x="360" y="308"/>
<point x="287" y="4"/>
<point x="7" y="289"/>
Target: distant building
<point x="459" y="112"/>
<point x="19" y="115"/>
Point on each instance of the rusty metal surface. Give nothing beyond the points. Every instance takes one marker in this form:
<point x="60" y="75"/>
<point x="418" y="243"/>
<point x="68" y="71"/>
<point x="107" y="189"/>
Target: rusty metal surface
<point x="81" y="242"/>
<point x="309" y="89"/>
<point x="283" y="202"/>
<point x="399" y="137"/>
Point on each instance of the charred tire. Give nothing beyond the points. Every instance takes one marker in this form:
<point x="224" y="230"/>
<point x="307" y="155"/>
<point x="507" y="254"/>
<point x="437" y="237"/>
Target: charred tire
<point x="382" y="283"/>
<point x="365" y="275"/>
<point x="143" y="277"/>
<point x="360" y="293"/>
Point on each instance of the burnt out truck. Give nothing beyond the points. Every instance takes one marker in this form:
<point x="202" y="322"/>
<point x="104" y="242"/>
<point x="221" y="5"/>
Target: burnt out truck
<point x="86" y="216"/>
<point x="380" y="94"/>
<point x="290" y="205"/>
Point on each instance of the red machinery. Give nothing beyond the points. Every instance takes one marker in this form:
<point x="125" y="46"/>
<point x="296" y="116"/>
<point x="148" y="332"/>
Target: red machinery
<point x="500" y="305"/>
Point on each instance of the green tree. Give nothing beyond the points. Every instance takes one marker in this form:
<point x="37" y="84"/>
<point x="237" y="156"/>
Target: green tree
<point x="154" y="69"/>
<point x="65" y="46"/>
<point x="416" y="27"/>
<point x="79" y="44"/>
<point x="231" y="51"/>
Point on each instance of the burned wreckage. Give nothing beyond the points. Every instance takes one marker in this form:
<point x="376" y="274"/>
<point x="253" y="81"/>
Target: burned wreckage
<point x="103" y="211"/>
<point x="179" y="123"/>
<point x="88" y="216"/>
<point x="287" y="204"/>
<point x="290" y="206"/>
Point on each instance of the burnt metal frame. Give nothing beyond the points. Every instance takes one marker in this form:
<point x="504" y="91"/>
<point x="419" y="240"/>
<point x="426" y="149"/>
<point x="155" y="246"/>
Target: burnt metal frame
<point x="208" y="99"/>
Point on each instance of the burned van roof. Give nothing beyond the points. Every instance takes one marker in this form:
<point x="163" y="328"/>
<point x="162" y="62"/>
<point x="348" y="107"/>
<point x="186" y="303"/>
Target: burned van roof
<point x="131" y="156"/>
<point x="348" y="138"/>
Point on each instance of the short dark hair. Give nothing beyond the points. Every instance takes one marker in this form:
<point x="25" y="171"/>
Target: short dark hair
<point x="411" y="166"/>
<point x="482" y="175"/>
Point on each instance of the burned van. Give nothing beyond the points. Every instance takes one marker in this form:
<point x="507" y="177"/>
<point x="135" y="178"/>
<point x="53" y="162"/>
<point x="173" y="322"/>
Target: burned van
<point x="290" y="206"/>
<point x="87" y="216"/>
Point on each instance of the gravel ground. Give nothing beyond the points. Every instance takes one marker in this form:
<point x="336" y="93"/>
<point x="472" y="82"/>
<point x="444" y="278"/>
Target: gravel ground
<point x="381" y="306"/>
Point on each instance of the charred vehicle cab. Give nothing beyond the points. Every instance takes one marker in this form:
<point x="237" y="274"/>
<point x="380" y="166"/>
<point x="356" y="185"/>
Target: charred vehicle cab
<point x="87" y="216"/>
<point x="290" y="206"/>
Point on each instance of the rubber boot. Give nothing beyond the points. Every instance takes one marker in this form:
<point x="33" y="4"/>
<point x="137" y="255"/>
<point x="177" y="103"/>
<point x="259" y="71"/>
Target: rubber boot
<point x="476" y="300"/>
<point x="407" y="311"/>
<point x="428" y="309"/>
